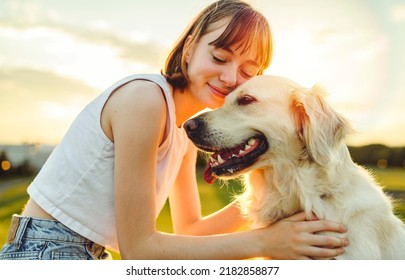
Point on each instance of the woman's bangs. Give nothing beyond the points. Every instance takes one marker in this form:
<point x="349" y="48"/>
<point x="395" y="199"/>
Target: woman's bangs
<point x="241" y="32"/>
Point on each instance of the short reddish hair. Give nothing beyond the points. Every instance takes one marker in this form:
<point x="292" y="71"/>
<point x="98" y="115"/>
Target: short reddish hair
<point x="246" y="25"/>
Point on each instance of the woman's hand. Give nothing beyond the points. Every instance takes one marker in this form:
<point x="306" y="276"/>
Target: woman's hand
<point x="295" y="238"/>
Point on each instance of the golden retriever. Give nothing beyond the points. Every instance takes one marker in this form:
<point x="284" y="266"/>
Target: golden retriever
<point x="290" y="144"/>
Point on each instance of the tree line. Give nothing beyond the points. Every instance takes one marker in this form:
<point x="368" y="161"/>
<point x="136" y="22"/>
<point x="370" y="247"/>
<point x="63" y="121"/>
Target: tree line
<point x="8" y="169"/>
<point x="379" y="155"/>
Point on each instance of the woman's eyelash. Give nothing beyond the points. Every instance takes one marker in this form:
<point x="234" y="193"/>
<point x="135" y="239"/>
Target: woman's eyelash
<point x="247" y="74"/>
<point x="216" y="59"/>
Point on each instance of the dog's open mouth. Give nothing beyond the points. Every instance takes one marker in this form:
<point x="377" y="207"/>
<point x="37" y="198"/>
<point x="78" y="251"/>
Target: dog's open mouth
<point x="229" y="161"/>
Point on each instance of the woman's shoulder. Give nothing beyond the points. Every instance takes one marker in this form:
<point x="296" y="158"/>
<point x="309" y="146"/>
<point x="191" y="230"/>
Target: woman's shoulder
<point x="134" y="103"/>
<point x="143" y="94"/>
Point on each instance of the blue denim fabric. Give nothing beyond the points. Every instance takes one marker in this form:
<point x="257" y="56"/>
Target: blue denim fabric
<point x="41" y="239"/>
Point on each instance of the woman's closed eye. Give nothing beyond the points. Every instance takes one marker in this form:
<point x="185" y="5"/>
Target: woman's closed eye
<point x="218" y="60"/>
<point x="249" y="73"/>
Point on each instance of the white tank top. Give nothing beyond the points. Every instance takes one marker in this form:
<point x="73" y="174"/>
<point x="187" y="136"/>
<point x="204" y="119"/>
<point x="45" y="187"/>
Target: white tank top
<point x="76" y="186"/>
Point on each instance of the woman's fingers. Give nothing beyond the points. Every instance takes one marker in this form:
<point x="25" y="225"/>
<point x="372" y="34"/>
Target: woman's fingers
<point x="327" y="241"/>
<point x="306" y="238"/>
<point x="319" y="238"/>
<point x="324" y="253"/>
<point x="298" y="217"/>
<point x="315" y="225"/>
<point x="325" y="225"/>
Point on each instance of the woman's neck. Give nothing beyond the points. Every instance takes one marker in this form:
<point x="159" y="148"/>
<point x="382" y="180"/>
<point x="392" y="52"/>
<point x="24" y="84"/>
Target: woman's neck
<point x="186" y="106"/>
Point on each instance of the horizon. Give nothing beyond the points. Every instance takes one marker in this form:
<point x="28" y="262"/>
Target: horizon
<point x="56" y="56"/>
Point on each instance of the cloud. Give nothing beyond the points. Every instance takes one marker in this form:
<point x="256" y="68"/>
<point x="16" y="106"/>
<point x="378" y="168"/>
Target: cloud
<point x="35" y="84"/>
<point x="129" y="48"/>
<point x="97" y="59"/>
<point x="37" y="105"/>
<point x="51" y="68"/>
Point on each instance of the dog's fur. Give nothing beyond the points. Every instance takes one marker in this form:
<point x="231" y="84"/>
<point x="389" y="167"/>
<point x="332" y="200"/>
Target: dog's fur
<point x="306" y="166"/>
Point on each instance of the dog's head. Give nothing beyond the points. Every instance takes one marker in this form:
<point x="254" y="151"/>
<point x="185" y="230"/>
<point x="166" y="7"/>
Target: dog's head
<point x="266" y="120"/>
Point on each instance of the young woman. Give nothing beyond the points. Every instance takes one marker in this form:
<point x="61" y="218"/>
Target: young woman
<point x="126" y="153"/>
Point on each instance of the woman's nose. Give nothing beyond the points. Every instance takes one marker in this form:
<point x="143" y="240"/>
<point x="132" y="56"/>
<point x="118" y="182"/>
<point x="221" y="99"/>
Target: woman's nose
<point x="229" y="77"/>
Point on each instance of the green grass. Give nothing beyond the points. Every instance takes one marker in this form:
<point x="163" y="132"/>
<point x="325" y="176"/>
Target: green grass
<point x="213" y="197"/>
<point x="391" y="178"/>
<point x="11" y="202"/>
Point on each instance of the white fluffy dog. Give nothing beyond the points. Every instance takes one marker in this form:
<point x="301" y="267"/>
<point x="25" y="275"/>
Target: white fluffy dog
<point x="291" y="145"/>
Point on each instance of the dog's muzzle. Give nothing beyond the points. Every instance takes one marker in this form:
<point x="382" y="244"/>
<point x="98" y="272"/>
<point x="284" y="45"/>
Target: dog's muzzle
<point x="225" y="160"/>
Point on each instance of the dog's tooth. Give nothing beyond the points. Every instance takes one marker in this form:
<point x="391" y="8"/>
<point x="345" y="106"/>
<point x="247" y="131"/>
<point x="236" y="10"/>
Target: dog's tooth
<point x="220" y="160"/>
<point x="230" y="170"/>
<point x="241" y="152"/>
<point x="247" y="147"/>
<point x="233" y="155"/>
<point x="252" y="141"/>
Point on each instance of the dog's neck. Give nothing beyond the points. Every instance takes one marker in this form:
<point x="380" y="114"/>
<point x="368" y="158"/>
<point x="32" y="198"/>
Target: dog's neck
<point x="284" y="188"/>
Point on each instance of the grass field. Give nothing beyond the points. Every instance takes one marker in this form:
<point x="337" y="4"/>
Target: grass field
<point x="213" y="197"/>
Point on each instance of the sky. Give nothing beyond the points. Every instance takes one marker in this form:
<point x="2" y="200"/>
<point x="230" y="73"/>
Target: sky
<point x="58" y="55"/>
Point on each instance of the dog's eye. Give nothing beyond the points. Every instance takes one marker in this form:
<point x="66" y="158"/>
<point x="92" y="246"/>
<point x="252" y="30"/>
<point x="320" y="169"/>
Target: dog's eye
<point x="246" y="100"/>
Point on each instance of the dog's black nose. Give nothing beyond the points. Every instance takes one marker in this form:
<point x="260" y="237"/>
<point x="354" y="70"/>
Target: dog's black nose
<point x="194" y="127"/>
<point x="190" y="125"/>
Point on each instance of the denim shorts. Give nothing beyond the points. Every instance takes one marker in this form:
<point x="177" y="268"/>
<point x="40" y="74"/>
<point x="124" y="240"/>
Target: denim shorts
<point x="41" y="239"/>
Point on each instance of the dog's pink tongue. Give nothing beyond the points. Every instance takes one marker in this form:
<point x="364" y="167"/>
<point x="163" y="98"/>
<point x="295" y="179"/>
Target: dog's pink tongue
<point x="208" y="177"/>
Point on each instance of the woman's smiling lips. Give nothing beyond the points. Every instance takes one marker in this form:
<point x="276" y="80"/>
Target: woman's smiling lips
<point x="222" y="93"/>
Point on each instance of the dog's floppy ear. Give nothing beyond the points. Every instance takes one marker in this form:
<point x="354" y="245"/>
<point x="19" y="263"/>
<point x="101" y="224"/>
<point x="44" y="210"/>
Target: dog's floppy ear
<point x="320" y="128"/>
